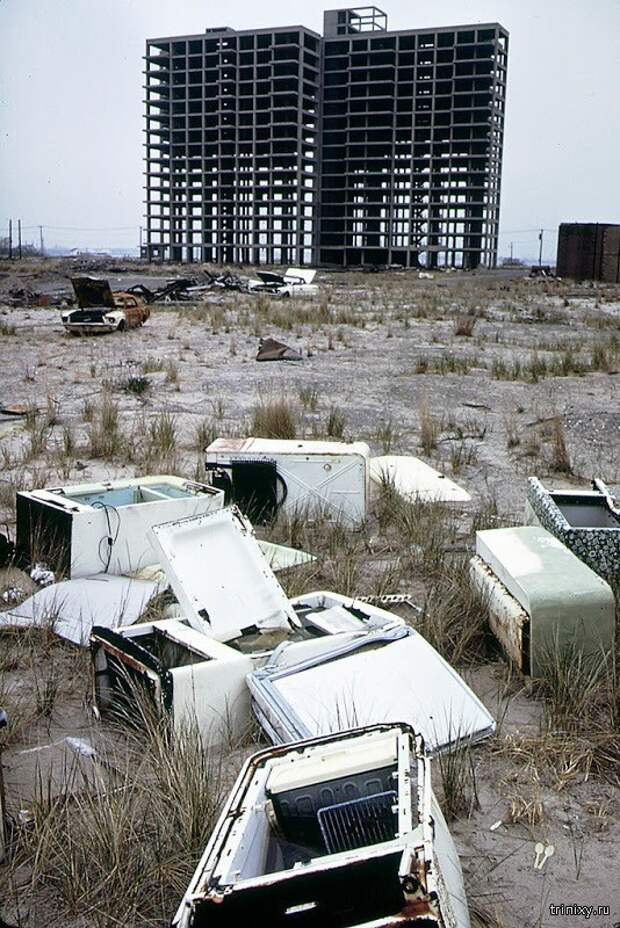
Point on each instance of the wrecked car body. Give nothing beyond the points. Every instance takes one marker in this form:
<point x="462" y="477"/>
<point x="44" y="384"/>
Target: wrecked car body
<point x="296" y="281"/>
<point x="100" y="310"/>
<point x="264" y="476"/>
<point x="82" y="529"/>
<point x="342" y="830"/>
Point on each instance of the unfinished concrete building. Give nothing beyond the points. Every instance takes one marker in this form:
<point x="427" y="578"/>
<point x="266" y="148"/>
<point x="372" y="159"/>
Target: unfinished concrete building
<point x="358" y="147"/>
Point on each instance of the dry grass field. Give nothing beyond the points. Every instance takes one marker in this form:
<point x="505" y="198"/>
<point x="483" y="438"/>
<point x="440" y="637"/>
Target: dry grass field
<point x="489" y="377"/>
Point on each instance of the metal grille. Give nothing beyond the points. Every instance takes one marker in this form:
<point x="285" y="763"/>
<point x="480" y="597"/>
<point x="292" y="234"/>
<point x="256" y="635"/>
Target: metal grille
<point x="359" y="822"/>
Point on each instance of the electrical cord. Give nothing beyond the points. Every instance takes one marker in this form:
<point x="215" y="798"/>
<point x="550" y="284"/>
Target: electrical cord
<point x="111" y="540"/>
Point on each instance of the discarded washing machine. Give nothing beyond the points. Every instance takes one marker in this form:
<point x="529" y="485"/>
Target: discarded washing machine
<point x="586" y="521"/>
<point x="85" y="529"/>
<point x="227" y="592"/>
<point x="542" y="599"/>
<point x="309" y="478"/>
<point x="342" y="830"/>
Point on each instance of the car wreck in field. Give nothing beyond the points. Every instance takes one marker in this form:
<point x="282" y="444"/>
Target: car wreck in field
<point x="342" y="831"/>
<point x="101" y="310"/>
<point x="296" y="281"/>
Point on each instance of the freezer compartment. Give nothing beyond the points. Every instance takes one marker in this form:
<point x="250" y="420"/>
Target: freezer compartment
<point x="306" y="824"/>
<point x="586" y="521"/>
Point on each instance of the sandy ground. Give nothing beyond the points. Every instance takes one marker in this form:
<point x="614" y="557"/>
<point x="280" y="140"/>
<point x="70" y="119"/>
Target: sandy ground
<point x="370" y="344"/>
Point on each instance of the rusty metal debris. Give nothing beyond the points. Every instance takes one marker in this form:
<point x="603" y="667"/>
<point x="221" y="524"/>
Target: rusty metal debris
<point x="190" y="289"/>
<point x="269" y="349"/>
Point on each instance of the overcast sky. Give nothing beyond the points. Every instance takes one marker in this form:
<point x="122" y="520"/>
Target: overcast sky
<point x="71" y="106"/>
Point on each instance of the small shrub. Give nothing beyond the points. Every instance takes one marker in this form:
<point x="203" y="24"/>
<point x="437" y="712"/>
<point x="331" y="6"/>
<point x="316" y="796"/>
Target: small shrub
<point x="560" y="457"/>
<point x="136" y="385"/>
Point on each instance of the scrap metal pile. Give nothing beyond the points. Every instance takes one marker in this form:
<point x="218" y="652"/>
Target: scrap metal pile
<point x="353" y="699"/>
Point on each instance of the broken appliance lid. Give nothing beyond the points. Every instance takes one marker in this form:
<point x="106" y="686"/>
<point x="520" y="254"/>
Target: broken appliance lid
<point x="220" y="576"/>
<point x="413" y="479"/>
<point x="72" y="607"/>
<point x="313" y="688"/>
<point x="93" y="292"/>
<point x="299" y="275"/>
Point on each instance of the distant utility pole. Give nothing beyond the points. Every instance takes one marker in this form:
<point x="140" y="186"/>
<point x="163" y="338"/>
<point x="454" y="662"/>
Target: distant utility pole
<point x="140" y="241"/>
<point x="19" y="238"/>
<point x="540" y="239"/>
<point x="511" y="254"/>
<point x="10" y="239"/>
<point x="41" y="245"/>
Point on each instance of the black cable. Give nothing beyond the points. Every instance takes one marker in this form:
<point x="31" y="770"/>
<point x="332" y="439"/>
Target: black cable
<point x="111" y="541"/>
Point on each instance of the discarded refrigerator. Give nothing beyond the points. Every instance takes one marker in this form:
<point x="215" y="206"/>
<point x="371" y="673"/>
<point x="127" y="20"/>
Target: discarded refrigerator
<point x="84" y="529"/>
<point x="341" y="831"/>
<point x="169" y="669"/>
<point x="305" y="478"/>
<point x="586" y="521"/>
<point x="541" y="598"/>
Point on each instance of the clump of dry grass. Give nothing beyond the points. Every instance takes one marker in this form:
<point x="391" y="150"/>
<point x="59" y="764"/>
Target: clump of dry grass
<point x="274" y="418"/>
<point x="458" y="777"/>
<point x="104" y="434"/>
<point x="465" y="325"/>
<point x="560" y="457"/>
<point x="117" y="844"/>
<point x="336" y="421"/>
<point x="455" y="616"/>
<point x="429" y="428"/>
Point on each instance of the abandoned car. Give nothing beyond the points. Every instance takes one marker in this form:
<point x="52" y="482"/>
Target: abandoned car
<point x="100" y="310"/>
<point x="342" y="831"/>
<point x="296" y="281"/>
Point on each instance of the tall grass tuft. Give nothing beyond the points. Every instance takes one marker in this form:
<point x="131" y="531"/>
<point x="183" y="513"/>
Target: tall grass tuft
<point x="274" y="418"/>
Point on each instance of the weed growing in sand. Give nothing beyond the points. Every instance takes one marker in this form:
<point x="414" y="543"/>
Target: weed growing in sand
<point x="274" y="418"/>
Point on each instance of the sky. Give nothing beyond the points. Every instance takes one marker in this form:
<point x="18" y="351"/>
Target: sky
<point x="71" y="126"/>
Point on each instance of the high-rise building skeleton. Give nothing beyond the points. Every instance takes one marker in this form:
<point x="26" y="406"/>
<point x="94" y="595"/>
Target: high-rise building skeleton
<point x="361" y="146"/>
